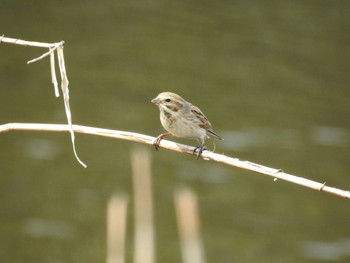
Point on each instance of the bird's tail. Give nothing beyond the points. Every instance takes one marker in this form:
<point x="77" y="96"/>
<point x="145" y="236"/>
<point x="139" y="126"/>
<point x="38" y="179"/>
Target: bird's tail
<point x="213" y="134"/>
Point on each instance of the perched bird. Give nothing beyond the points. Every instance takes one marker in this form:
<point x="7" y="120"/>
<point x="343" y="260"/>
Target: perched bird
<point x="182" y="119"/>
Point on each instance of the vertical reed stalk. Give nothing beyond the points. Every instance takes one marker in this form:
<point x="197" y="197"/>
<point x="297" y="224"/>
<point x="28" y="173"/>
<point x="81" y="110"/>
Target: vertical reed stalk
<point x="116" y="228"/>
<point x="189" y="227"/>
<point x="144" y="228"/>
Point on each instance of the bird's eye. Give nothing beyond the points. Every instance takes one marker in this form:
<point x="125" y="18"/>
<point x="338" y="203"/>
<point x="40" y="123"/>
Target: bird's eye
<point x="168" y="100"/>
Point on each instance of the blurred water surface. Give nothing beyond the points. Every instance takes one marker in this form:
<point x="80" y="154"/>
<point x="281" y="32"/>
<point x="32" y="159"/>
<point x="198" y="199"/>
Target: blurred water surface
<point x="273" y="78"/>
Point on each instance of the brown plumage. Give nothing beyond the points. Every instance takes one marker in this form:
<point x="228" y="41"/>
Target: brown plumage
<point x="182" y="119"/>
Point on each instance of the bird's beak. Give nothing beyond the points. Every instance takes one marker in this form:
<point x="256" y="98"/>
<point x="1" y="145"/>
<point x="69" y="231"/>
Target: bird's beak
<point x="155" y="101"/>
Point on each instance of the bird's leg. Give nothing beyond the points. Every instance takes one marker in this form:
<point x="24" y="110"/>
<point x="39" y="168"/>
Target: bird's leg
<point x="200" y="149"/>
<point x="159" y="138"/>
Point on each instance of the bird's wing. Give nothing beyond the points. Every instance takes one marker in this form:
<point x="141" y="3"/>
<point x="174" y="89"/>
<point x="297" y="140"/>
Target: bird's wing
<point x="203" y="121"/>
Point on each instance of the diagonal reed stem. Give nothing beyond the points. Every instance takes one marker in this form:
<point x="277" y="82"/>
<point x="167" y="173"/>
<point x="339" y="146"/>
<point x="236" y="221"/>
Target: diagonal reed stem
<point x="206" y="155"/>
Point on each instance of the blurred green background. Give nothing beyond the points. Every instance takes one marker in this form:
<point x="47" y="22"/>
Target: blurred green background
<point x="272" y="77"/>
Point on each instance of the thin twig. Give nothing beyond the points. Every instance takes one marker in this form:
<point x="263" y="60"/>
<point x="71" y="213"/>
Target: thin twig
<point x="53" y="74"/>
<point x="207" y="155"/>
<point x="64" y="79"/>
<point x="25" y="43"/>
<point x="51" y="50"/>
<point x="65" y="92"/>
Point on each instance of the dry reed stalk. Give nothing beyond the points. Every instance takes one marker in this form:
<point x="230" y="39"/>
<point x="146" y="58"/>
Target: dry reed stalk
<point x="116" y="229"/>
<point x="64" y="79"/>
<point x="143" y="208"/>
<point x="206" y="155"/>
<point x="189" y="227"/>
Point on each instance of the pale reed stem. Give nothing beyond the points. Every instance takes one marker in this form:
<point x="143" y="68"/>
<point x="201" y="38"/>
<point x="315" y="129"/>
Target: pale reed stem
<point x="206" y="155"/>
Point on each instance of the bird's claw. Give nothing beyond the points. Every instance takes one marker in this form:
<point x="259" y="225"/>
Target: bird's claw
<point x="157" y="142"/>
<point x="200" y="149"/>
<point x="158" y="139"/>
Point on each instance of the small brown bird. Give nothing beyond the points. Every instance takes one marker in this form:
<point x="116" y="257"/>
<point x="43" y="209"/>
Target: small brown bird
<point x="182" y="119"/>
